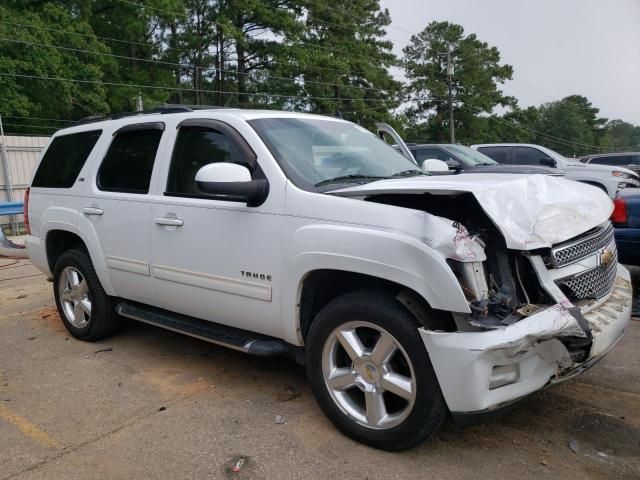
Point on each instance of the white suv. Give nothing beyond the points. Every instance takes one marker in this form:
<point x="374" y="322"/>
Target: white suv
<point x="609" y="179"/>
<point x="407" y="296"/>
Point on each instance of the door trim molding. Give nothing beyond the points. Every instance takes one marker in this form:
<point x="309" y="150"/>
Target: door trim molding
<point x="243" y="288"/>
<point x="129" y="265"/>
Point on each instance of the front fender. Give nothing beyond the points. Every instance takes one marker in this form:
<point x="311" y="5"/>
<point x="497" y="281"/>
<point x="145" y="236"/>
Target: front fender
<point x="383" y="254"/>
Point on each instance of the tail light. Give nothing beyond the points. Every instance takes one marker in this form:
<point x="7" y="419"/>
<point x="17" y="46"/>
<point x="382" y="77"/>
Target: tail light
<point x="26" y="211"/>
<point x="619" y="215"/>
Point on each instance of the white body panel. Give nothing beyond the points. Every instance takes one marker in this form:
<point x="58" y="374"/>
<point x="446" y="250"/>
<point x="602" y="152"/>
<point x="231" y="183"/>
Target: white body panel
<point x="245" y="266"/>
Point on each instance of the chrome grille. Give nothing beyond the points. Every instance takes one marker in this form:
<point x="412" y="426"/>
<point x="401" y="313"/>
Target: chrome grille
<point x="594" y="283"/>
<point x="572" y="251"/>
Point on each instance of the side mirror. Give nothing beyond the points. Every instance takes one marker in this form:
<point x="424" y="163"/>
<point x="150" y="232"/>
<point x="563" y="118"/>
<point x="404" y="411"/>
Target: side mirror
<point x="233" y="181"/>
<point x="433" y="165"/>
<point x="454" y="165"/>
<point x="548" y="162"/>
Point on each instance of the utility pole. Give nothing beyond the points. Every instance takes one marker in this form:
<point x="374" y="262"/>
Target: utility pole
<point x="450" y="70"/>
<point x="139" y="104"/>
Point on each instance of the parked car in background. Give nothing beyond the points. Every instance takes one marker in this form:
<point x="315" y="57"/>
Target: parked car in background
<point x="610" y="179"/>
<point x="630" y="160"/>
<point x="626" y="220"/>
<point x="462" y="159"/>
<point x="447" y="158"/>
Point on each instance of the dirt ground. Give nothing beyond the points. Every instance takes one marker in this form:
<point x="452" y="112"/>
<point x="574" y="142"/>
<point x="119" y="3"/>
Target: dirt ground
<point x="153" y="404"/>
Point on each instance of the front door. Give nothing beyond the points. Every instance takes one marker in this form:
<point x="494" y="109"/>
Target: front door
<point x="213" y="258"/>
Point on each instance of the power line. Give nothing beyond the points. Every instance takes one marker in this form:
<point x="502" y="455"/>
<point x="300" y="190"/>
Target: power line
<point x="68" y="32"/>
<point x="29" y="126"/>
<point x="562" y="141"/>
<point x="273" y="62"/>
<point x="39" y="118"/>
<point x="540" y="92"/>
<point x="187" y="66"/>
<point x="167" y="88"/>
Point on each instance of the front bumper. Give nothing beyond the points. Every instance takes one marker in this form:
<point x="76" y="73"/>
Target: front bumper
<point x="467" y="363"/>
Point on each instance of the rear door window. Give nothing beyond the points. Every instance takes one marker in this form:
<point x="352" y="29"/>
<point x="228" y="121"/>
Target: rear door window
<point x="529" y="156"/>
<point x="499" y="154"/>
<point x="63" y="160"/>
<point x="128" y="164"/>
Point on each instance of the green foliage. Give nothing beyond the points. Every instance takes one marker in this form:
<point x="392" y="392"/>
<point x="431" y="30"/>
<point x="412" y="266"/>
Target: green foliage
<point x="23" y="52"/>
<point x="307" y="55"/>
<point x="621" y="135"/>
<point x="478" y="72"/>
<point x="570" y="126"/>
<point x="344" y="61"/>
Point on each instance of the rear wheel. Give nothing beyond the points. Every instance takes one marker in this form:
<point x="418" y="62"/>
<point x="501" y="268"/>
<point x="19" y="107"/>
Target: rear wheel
<point x="371" y="373"/>
<point x="84" y="307"/>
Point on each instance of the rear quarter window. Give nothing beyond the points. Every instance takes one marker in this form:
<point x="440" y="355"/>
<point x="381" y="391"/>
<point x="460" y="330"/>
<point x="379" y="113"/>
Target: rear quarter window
<point x="63" y="160"/>
<point x="619" y="160"/>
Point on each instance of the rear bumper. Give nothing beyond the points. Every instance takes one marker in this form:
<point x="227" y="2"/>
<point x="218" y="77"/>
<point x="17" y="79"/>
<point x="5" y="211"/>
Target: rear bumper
<point x="38" y="254"/>
<point x="468" y="363"/>
<point x="628" y="243"/>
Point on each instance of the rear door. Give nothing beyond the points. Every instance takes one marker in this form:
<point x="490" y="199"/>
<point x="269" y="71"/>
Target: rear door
<point x="497" y="153"/>
<point x="530" y="156"/>
<point x="117" y="208"/>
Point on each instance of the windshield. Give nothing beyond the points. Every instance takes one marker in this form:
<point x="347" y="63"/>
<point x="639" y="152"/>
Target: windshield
<point x="471" y="156"/>
<point x="322" y="154"/>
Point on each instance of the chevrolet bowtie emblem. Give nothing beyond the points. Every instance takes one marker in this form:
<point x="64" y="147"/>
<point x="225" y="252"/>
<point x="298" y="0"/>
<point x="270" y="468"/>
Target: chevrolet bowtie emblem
<point x="606" y="256"/>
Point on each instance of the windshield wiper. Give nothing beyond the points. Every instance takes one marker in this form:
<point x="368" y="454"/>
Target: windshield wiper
<point x="346" y="178"/>
<point x="408" y="173"/>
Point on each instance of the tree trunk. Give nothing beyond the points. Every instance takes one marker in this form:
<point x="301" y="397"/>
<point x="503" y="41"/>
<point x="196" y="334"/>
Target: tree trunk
<point x="177" y="71"/>
<point x="222" y="68"/>
<point x="242" y="76"/>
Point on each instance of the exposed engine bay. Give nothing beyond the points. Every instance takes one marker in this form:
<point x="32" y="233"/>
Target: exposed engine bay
<point x="501" y="290"/>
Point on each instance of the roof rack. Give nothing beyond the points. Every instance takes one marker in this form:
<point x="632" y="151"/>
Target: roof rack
<point x="165" y="109"/>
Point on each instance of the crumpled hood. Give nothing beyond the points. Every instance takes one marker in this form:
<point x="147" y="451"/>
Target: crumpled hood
<point x="531" y="211"/>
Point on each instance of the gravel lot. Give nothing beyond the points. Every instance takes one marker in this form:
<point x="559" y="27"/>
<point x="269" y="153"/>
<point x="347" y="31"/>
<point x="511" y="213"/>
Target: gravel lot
<point x="153" y="404"/>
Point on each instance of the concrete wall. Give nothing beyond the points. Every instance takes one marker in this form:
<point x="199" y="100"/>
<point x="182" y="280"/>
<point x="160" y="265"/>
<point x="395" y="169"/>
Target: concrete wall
<point x="23" y="153"/>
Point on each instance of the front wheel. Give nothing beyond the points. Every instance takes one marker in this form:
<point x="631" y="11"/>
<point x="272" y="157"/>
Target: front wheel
<point x="371" y="373"/>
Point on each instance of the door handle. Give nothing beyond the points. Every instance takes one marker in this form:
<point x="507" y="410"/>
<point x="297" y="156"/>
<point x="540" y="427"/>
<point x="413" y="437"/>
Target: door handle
<point x="169" y="221"/>
<point x="92" y="211"/>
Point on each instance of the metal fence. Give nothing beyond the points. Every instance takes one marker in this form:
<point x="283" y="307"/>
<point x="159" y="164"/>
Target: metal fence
<point x="22" y="157"/>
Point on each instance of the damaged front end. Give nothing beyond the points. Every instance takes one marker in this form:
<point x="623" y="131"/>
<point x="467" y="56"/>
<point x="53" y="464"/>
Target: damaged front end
<point x="536" y="317"/>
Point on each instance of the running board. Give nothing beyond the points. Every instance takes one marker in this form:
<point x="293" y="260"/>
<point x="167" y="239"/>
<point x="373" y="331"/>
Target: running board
<point x="235" y="338"/>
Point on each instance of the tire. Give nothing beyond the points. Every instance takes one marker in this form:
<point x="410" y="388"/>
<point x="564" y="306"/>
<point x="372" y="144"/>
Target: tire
<point x="411" y="414"/>
<point x="86" y="310"/>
